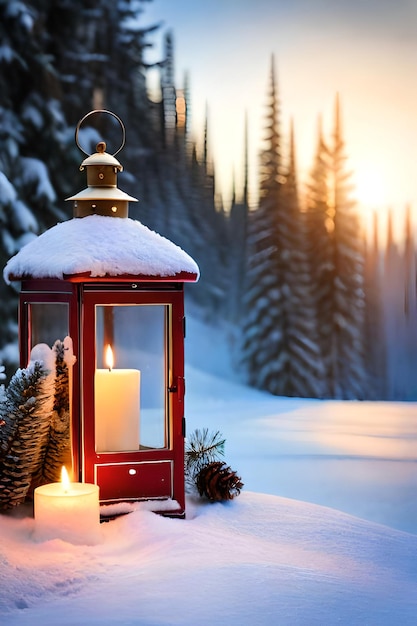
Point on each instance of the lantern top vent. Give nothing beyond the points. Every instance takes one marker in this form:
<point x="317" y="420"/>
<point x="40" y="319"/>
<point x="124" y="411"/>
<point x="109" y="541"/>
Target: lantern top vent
<point x="102" y="196"/>
<point x="101" y="157"/>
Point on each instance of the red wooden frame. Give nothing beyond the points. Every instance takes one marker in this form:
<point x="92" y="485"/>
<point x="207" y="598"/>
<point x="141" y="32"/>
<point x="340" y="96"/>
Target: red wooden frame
<point x="155" y="473"/>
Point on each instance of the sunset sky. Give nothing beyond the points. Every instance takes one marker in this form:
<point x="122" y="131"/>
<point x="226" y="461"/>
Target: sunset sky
<point x="366" y="50"/>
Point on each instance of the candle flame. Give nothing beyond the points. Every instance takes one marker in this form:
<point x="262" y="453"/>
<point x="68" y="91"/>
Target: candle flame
<point x="109" y="357"/>
<point x="65" y="481"/>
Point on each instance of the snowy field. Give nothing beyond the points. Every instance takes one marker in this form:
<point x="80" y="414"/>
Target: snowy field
<point x="300" y="556"/>
<point x="359" y="457"/>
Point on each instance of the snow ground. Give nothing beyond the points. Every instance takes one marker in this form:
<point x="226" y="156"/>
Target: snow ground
<point x="258" y="560"/>
<point x="261" y="559"/>
<point x="358" y="457"/>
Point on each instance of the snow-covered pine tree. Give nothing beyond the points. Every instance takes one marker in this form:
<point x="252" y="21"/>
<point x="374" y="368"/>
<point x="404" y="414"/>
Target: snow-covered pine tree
<point x="348" y="376"/>
<point x="58" y="450"/>
<point x="304" y="370"/>
<point x="6" y="428"/>
<point x="60" y="60"/>
<point x="280" y="348"/>
<point x="206" y="227"/>
<point x="263" y="326"/>
<point x="24" y="431"/>
<point x="35" y="133"/>
<point x="32" y="139"/>
<point x="318" y="226"/>
<point x="237" y="244"/>
<point x="181" y="206"/>
<point x="375" y="344"/>
<point x="410" y="309"/>
<point x="337" y="262"/>
<point x="15" y="219"/>
<point x="2" y="400"/>
<point x="393" y="301"/>
<point x="399" y="299"/>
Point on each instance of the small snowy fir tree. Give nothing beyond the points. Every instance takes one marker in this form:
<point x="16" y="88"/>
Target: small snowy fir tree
<point x="35" y="423"/>
<point x="2" y="404"/>
<point x="58" y="450"/>
<point x="24" y="430"/>
<point x="204" y="471"/>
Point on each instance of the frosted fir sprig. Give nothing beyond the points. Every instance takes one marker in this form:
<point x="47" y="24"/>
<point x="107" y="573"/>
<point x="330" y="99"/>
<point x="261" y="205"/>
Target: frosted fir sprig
<point x="202" y="447"/>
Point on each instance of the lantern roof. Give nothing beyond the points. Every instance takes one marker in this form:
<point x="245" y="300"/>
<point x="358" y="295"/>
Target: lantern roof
<point x="98" y="246"/>
<point x="106" y="193"/>
<point x="101" y="157"/>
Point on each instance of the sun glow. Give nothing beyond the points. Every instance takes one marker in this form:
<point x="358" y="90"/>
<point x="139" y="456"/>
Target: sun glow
<point x="370" y="188"/>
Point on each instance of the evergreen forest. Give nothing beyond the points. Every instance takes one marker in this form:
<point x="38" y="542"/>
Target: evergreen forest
<point x="313" y="307"/>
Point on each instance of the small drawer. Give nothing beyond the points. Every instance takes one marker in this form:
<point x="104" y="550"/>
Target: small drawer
<point x="134" y="481"/>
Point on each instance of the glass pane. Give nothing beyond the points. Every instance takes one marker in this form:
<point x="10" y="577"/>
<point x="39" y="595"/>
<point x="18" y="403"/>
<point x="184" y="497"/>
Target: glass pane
<point x="49" y="321"/>
<point x="131" y="393"/>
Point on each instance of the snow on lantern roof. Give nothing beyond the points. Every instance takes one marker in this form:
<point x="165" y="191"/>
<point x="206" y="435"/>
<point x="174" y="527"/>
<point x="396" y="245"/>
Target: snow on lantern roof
<point x="98" y="246"/>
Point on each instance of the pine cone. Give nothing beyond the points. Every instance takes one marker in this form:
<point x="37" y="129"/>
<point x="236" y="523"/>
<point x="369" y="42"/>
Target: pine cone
<point x="218" y="482"/>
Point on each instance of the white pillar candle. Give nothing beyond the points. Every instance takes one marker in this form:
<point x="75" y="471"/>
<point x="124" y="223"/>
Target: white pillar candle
<point x="117" y="409"/>
<point x="68" y="511"/>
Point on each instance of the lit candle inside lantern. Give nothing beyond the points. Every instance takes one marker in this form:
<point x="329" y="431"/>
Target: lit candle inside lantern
<point x="68" y="511"/>
<point x="116" y="407"/>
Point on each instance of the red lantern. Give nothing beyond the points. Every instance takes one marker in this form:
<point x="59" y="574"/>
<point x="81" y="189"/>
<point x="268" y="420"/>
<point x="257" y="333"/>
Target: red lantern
<point x="117" y="290"/>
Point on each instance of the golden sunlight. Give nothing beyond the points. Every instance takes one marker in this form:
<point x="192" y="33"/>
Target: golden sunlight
<point x="370" y="188"/>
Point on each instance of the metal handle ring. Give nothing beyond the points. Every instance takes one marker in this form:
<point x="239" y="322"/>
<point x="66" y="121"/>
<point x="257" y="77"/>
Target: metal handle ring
<point x="122" y="126"/>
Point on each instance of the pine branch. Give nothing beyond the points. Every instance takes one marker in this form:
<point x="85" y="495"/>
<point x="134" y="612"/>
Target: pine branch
<point x="58" y="449"/>
<point x="27" y="409"/>
<point x="7" y="426"/>
<point x="202" y="448"/>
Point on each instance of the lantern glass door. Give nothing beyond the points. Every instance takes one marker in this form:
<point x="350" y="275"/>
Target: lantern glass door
<point x="48" y="321"/>
<point x="45" y="318"/>
<point x="131" y="377"/>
